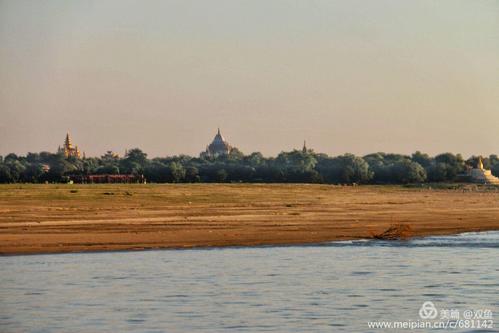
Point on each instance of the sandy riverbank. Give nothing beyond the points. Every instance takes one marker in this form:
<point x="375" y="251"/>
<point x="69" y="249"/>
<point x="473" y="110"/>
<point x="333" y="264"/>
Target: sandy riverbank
<point x="71" y="218"/>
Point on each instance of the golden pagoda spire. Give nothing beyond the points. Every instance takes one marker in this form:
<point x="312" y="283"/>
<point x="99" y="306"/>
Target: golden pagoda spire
<point x="68" y="149"/>
<point x="480" y="163"/>
<point x="67" y="141"/>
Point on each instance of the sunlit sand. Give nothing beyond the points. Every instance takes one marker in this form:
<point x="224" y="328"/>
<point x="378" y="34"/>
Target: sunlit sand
<point x="69" y="218"/>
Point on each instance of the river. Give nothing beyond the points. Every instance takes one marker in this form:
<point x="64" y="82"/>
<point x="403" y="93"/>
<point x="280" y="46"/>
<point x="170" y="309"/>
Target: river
<point x="333" y="287"/>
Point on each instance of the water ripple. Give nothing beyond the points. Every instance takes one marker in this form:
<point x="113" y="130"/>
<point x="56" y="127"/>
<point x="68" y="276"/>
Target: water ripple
<point x="328" y="287"/>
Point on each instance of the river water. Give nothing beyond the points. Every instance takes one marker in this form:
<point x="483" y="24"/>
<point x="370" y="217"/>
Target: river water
<point x="330" y="287"/>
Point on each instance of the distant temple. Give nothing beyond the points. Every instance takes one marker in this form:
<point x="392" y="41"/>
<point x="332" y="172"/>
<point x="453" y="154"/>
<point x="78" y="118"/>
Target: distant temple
<point x="481" y="175"/>
<point x="218" y="147"/>
<point x="68" y="150"/>
<point x="305" y="149"/>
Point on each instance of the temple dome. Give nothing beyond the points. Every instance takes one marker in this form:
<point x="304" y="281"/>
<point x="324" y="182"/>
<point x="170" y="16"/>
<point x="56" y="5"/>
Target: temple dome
<point x="219" y="139"/>
<point x="218" y="147"/>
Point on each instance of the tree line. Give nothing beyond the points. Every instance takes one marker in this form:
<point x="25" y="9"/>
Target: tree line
<point x="297" y="166"/>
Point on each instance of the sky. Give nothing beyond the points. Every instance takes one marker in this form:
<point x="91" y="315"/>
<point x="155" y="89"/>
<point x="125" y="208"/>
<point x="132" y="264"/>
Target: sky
<point x="346" y="76"/>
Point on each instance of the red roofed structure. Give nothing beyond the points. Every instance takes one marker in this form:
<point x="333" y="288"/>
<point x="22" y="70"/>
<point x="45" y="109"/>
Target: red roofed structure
<point x="108" y="179"/>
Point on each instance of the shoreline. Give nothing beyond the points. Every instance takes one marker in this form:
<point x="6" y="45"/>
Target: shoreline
<point x="221" y="247"/>
<point x="46" y="219"/>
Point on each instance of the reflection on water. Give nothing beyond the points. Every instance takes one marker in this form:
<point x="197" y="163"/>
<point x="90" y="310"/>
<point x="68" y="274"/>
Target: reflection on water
<point x="316" y="288"/>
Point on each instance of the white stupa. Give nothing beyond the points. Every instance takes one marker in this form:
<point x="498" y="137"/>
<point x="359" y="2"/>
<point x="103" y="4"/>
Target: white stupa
<point x="481" y="175"/>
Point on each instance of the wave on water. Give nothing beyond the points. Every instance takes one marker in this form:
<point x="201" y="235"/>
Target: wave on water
<point x="488" y="239"/>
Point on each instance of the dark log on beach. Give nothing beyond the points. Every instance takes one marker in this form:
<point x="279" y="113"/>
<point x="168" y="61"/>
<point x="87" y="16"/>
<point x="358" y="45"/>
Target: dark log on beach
<point x="395" y="232"/>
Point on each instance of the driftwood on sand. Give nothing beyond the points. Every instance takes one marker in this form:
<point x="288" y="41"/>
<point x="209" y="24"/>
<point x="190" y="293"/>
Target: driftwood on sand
<point x="395" y="232"/>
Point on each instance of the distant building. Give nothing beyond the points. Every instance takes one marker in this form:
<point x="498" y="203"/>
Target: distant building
<point x="306" y="150"/>
<point x="218" y="147"/>
<point x="68" y="150"/>
<point x="108" y="179"/>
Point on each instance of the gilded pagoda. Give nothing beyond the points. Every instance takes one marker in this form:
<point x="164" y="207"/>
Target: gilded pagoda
<point x="68" y="150"/>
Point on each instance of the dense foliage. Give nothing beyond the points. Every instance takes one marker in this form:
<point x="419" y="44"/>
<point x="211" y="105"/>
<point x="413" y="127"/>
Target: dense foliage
<point x="288" y="167"/>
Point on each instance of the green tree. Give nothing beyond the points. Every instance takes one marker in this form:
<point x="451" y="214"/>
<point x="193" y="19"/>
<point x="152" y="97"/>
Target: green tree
<point x="221" y="175"/>
<point x="423" y="159"/>
<point x="134" y="162"/>
<point x="32" y="173"/>
<point x="255" y="159"/>
<point x="177" y="172"/>
<point x="235" y="154"/>
<point x="406" y="171"/>
<point x="107" y="169"/>
<point x="449" y="165"/>
<point x="296" y="160"/>
<point x="157" y="172"/>
<point x="5" y="174"/>
<point x="192" y="174"/>
<point x="137" y="156"/>
<point x="344" y="169"/>
<point x="16" y="168"/>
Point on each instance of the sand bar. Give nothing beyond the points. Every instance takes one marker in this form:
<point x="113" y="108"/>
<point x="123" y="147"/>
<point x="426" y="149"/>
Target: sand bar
<point x="73" y="218"/>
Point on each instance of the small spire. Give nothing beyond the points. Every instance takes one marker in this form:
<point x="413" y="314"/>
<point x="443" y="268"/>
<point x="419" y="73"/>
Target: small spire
<point x="480" y="163"/>
<point x="218" y="130"/>
<point x="304" y="146"/>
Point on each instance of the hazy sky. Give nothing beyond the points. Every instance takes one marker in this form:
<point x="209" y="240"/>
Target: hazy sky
<point x="347" y="76"/>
